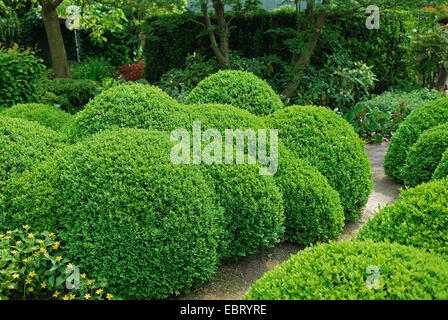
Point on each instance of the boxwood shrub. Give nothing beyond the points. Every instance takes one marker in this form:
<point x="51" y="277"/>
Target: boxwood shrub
<point x="329" y="143"/>
<point x="442" y="169"/>
<point x="240" y="89"/>
<point x="131" y="105"/>
<point x="124" y="211"/>
<point x="433" y="114"/>
<point x="23" y="144"/>
<point x="48" y="116"/>
<point x="424" y="156"/>
<point x="418" y="218"/>
<point x="346" y="271"/>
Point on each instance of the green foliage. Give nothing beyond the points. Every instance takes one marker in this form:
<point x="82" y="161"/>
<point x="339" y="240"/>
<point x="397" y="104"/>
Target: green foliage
<point x="131" y="105"/>
<point x="433" y="114"/>
<point x="124" y="211"/>
<point x="23" y="145"/>
<point x="48" y="116"/>
<point x="19" y="77"/>
<point x="329" y="143"/>
<point x="378" y="118"/>
<point x="96" y="69"/>
<point x="442" y="169"/>
<point x="240" y="89"/>
<point x="32" y="267"/>
<point x="424" y="156"/>
<point x="70" y="94"/>
<point x="344" y="270"/>
<point x="418" y="218"/>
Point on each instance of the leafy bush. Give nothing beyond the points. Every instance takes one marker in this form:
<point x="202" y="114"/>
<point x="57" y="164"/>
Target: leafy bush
<point x="32" y="266"/>
<point x="418" y="218"/>
<point x="19" y="77"/>
<point x="23" y="145"/>
<point x="95" y="69"/>
<point x="130" y="72"/>
<point x="239" y="89"/>
<point x="378" y="118"/>
<point x="431" y="115"/>
<point x="124" y="211"/>
<point x="329" y="143"/>
<point x="126" y="105"/>
<point x="345" y="271"/>
<point x="48" y="116"/>
<point x="442" y="168"/>
<point x="424" y="156"/>
<point x="70" y="94"/>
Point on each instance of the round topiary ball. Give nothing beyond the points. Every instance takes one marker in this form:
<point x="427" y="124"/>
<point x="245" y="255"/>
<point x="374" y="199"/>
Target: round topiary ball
<point x="424" y="156"/>
<point x="23" y="145"/>
<point x="48" y="116"/>
<point x="355" y="271"/>
<point x="125" y="212"/>
<point x="129" y="105"/>
<point x="433" y="114"/>
<point x="329" y="143"/>
<point x="442" y="169"/>
<point x="240" y="89"/>
<point x="418" y="218"/>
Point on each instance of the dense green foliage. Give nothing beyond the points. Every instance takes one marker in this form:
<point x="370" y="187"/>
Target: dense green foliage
<point x="19" y="76"/>
<point x="442" y="168"/>
<point x="23" y="145"/>
<point x="48" y="116"/>
<point x="424" y="156"/>
<point x="433" y="114"/>
<point x="240" y="89"/>
<point x="70" y="94"/>
<point x="329" y="143"/>
<point x="125" y="212"/>
<point x="346" y="271"/>
<point x="418" y="218"/>
<point x="126" y="105"/>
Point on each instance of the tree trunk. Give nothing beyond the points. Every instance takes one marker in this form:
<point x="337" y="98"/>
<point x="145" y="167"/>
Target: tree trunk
<point x="442" y="81"/>
<point x="55" y="40"/>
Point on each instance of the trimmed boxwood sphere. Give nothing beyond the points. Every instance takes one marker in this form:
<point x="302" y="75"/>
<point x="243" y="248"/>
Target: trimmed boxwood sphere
<point x="129" y="105"/>
<point x="442" y="169"/>
<point x="126" y="213"/>
<point x="421" y="119"/>
<point x="240" y="89"/>
<point x="424" y="156"/>
<point x="329" y="143"/>
<point x="418" y="218"/>
<point x="48" y="116"/>
<point x="312" y="208"/>
<point x="23" y="145"/>
<point x="345" y="271"/>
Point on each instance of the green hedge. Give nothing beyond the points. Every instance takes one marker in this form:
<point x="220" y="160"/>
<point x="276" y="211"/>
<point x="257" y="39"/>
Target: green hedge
<point x="433" y="114"/>
<point x="131" y="105"/>
<point x="48" y="116"/>
<point x="329" y="143"/>
<point x="442" y="168"/>
<point x="240" y="89"/>
<point x="346" y="270"/>
<point x="124" y="211"/>
<point x="23" y="145"/>
<point x="418" y="218"/>
<point x="424" y="156"/>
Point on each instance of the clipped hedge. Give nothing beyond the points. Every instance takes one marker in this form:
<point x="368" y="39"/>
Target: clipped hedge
<point x="130" y="105"/>
<point x="312" y="208"/>
<point x="418" y="218"/>
<point x="424" y="156"/>
<point x="346" y="271"/>
<point x="124" y="211"/>
<point x="23" y="144"/>
<point x="240" y="89"/>
<point x="433" y="114"/>
<point x="442" y="168"/>
<point x="48" y="116"/>
<point x="329" y="143"/>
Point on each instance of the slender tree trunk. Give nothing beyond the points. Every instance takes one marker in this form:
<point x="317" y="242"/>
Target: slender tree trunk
<point x="55" y="41"/>
<point x="442" y="81"/>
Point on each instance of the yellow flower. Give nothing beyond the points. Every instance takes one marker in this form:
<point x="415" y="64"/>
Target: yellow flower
<point x="99" y="291"/>
<point x="89" y="282"/>
<point x="8" y="232"/>
<point x="109" y="296"/>
<point x="43" y="285"/>
<point x="65" y="297"/>
<point x="14" y="251"/>
<point x="56" y="245"/>
<point x="19" y="242"/>
<point x="31" y="289"/>
<point x="37" y="254"/>
<point x="87" y="296"/>
<point x="83" y="275"/>
<point x="1" y="236"/>
<point x="72" y="296"/>
<point x="51" y="235"/>
<point x="25" y="226"/>
<point x="43" y="250"/>
<point x="31" y="235"/>
<point x="28" y="281"/>
<point x="32" y="274"/>
<point x="15" y="276"/>
<point x="26" y="260"/>
<point x="58" y="258"/>
<point x="56" y="294"/>
<point x="40" y="241"/>
<point x="70" y="265"/>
